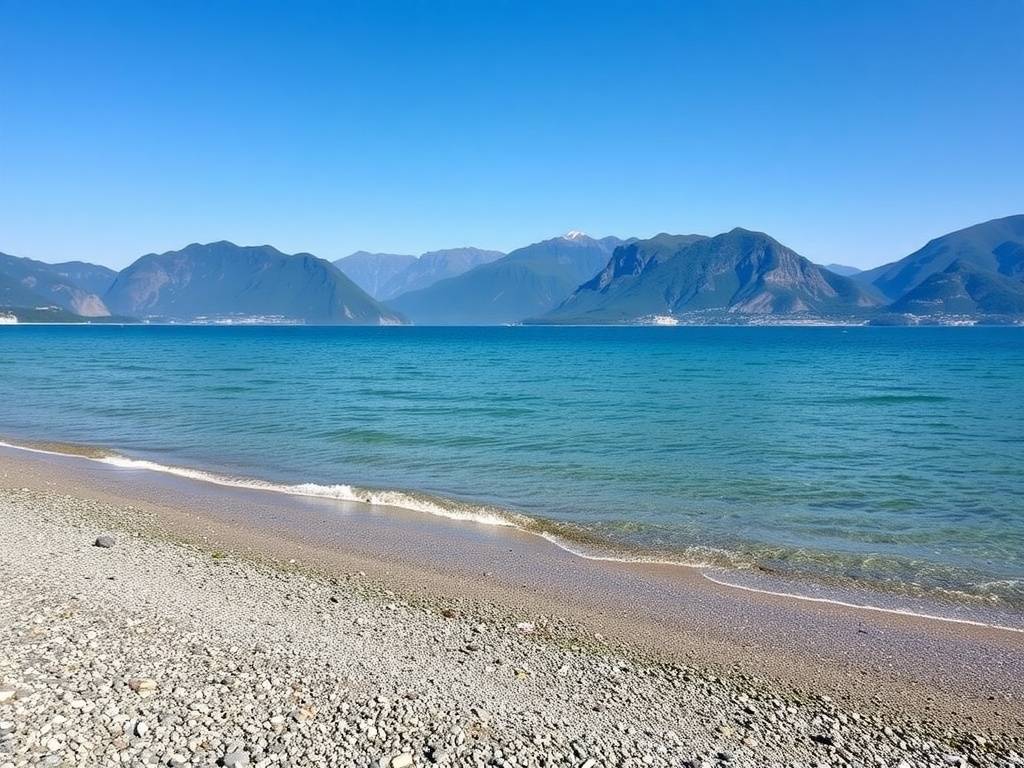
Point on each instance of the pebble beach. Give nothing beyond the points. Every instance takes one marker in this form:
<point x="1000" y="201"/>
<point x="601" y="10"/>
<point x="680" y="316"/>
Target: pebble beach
<point x="139" y="649"/>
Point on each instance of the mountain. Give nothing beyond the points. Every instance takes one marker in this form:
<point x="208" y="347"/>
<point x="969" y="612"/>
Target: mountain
<point x="372" y="271"/>
<point x="525" y="283"/>
<point x="90" y="277"/>
<point x="963" y="289"/>
<point x="739" y="273"/>
<point x="842" y="269"/>
<point x="28" y="283"/>
<point x="434" y="266"/>
<point x="994" y="246"/>
<point x="223" y="281"/>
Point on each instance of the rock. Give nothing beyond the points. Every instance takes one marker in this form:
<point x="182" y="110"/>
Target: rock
<point x="105" y="541"/>
<point x="7" y="693"/>
<point x="403" y="760"/>
<point x="525" y="626"/>
<point x="237" y="759"/>
<point x="143" y="686"/>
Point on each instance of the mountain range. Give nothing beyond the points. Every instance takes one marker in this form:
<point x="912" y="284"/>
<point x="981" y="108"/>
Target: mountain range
<point x="974" y="275"/>
<point x="386" y="275"/>
<point x="372" y="271"/>
<point x="739" y="272"/>
<point x="526" y="283"/>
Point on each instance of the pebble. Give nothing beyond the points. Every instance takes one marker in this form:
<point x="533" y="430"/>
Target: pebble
<point x="271" y="669"/>
<point x="236" y="759"/>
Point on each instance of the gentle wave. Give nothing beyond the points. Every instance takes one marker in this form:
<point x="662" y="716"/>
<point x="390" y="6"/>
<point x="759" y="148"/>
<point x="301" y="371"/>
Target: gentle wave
<point x="861" y="606"/>
<point x="339" y="492"/>
<point x="575" y="541"/>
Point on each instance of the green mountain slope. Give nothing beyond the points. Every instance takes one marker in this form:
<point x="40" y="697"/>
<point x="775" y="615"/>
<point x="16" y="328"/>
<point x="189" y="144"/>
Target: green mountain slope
<point x="224" y="280"/>
<point x="739" y="272"/>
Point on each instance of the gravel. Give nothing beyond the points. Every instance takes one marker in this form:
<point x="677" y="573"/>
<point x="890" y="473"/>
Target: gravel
<point x="158" y="653"/>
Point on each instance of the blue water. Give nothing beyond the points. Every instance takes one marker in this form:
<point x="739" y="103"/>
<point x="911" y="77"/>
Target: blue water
<point x="890" y="457"/>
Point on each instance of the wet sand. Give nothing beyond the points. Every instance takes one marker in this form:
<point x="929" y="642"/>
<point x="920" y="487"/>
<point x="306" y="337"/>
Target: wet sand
<point x="957" y="674"/>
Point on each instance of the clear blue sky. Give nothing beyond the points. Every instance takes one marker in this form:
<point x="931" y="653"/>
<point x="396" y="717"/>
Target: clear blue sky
<point x="851" y="131"/>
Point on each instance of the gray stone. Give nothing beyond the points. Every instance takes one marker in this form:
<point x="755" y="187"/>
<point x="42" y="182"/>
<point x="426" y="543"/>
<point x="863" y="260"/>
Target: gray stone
<point x="236" y="759"/>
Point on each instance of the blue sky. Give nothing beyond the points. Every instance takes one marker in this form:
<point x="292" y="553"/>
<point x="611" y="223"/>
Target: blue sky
<point x="851" y="131"/>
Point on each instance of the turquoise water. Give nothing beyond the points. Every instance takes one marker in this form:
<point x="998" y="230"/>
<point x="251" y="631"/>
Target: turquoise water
<point x="886" y="457"/>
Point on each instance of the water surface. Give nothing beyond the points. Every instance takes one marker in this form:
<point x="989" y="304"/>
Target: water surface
<point x="891" y="458"/>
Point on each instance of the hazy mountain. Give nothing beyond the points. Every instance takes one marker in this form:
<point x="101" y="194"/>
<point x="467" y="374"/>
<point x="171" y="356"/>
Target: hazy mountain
<point x="29" y="283"/>
<point x="963" y="289"/>
<point x="90" y="277"/>
<point x="372" y="271"/>
<point x="842" y="269"/>
<point x="994" y="246"/>
<point x="525" y="283"/>
<point x="226" y="280"/>
<point x="739" y="272"/>
<point x="434" y="266"/>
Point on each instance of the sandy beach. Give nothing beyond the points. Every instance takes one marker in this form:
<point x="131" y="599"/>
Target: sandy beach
<point x="244" y="627"/>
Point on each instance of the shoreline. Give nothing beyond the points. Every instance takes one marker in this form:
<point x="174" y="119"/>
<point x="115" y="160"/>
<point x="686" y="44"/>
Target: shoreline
<point x="729" y="571"/>
<point x="886" y="663"/>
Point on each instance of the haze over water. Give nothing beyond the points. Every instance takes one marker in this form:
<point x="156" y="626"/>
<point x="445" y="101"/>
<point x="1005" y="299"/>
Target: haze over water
<point x="886" y="457"/>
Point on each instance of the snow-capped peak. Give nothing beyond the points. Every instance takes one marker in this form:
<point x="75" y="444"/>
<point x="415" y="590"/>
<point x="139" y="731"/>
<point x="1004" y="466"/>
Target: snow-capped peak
<point x="574" y="234"/>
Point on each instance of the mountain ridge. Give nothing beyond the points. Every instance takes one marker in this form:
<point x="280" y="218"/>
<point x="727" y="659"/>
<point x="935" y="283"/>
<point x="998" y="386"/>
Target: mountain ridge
<point x="225" y="280"/>
<point x="523" y="283"/>
<point x="740" y="272"/>
<point x="28" y="283"/>
<point x="996" y="246"/>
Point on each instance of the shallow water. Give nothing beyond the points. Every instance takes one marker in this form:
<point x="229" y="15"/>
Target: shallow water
<point x="888" y="457"/>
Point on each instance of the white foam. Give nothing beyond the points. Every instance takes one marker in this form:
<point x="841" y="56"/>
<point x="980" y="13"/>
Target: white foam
<point x="862" y="606"/>
<point x="636" y="559"/>
<point x="338" y="492"/>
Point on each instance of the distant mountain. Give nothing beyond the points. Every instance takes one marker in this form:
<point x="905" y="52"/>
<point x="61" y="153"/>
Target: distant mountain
<point x="434" y="266"/>
<point x="91" y="277"/>
<point x="842" y="269"/>
<point x="963" y="289"/>
<point x="525" y="283"/>
<point x="224" y="280"/>
<point x="28" y="283"/>
<point x="739" y="272"/>
<point x="372" y="271"/>
<point x="994" y="246"/>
